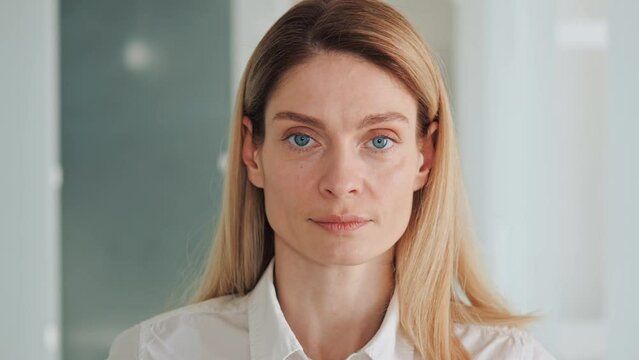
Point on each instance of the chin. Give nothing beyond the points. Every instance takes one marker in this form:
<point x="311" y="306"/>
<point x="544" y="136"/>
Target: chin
<point x="346" y="253"/>
<point x="317" y="246"/>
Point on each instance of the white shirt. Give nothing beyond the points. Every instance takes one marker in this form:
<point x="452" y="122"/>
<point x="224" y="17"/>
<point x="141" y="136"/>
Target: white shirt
<point x="253" y="327"/>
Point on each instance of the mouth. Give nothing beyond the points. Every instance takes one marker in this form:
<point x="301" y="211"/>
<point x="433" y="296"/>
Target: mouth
<point x="341" y="224"/>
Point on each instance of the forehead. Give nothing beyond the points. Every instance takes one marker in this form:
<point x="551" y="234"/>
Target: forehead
<point x="341" y="88"/>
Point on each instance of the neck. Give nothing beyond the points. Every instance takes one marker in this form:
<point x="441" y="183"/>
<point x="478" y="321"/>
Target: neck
<point x="333" y="310"/>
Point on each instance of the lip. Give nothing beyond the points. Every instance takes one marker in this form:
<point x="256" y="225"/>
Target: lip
<point x="341" y="224"/>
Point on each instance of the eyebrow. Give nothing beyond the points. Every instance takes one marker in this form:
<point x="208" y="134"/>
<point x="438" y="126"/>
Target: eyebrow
<point x="368" y="120"/>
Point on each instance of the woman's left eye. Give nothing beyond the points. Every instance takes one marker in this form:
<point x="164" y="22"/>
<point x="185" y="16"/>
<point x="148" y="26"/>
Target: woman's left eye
<point x="380" y="143"/>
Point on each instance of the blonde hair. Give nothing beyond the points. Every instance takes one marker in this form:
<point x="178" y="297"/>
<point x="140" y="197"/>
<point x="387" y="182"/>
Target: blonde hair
<point x="438" y="278"/>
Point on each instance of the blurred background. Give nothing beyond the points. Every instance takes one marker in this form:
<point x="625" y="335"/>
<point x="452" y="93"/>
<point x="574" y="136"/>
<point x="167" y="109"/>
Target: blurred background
<point x="113" y="124"/>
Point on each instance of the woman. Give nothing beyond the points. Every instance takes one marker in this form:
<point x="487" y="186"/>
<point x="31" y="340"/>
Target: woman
<point x="344" y="231"/>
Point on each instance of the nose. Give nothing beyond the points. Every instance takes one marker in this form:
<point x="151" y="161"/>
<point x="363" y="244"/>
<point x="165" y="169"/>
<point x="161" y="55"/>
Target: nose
<point x="342" y="176"/>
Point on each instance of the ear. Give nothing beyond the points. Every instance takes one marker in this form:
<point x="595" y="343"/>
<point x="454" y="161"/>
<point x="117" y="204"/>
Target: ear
<point x="250" y="155"/>
<point x="426" y="147"/>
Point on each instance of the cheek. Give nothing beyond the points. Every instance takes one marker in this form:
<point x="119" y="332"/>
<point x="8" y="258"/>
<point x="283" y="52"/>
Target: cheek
<point x="394" y="192"/>
<point x="286" y="187"/>
<point x="392" y="176"/>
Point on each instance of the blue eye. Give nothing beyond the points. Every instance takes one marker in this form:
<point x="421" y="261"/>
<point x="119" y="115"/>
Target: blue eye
<point x="380" y="142"/>
<point x="301" y="140"/>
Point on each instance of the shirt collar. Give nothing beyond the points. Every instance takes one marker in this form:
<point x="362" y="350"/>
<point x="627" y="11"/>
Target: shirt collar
<point x="388" y="342"/>
<point x="271" y="337"/>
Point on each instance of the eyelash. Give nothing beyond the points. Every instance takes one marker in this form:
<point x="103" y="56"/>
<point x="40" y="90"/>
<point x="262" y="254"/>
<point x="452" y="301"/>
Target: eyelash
<point x="304" y="149"/>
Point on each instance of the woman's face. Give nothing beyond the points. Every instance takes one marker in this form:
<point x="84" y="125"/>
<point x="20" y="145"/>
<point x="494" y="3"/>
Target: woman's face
<point x="340" y="159"/>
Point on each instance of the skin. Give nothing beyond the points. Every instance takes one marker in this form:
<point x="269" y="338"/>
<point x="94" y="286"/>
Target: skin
<point x="334" y="288"/>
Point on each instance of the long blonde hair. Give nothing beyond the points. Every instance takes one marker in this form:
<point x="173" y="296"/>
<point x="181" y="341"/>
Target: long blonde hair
<point x="438" y="278"/>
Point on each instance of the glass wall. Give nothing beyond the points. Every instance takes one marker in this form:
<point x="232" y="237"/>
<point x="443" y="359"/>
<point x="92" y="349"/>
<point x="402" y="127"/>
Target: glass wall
<point x="144" y="116"/>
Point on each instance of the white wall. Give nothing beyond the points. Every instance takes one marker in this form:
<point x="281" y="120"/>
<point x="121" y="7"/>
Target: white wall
<point x="530" y="116"/>
<point x="546" y="94"/>
<point x="29" y="181"/>
<point x="622" y="213"/>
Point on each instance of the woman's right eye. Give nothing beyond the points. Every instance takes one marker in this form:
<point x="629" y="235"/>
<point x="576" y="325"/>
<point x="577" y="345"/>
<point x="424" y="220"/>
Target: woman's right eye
<point x="300" y="141"/>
